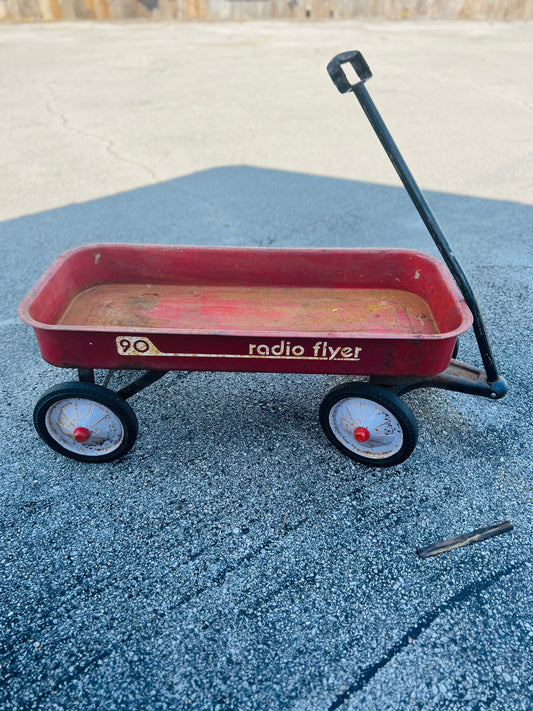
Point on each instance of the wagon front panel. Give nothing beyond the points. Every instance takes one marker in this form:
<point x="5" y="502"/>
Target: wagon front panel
<point x="356" y="355"/>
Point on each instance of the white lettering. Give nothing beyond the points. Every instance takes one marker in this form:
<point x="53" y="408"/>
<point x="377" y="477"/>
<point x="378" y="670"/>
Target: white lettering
<point x="333" y="352"/>
<point x="282" y="349"/>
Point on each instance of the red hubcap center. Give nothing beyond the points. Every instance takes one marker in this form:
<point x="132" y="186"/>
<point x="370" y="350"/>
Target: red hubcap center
<point x="81" y="434"/>
<point x="361" y="434"/>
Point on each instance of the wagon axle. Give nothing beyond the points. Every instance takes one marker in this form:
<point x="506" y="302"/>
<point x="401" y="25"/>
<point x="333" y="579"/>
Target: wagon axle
<point x="361" y="434"/>
<point x="82" y="434"/>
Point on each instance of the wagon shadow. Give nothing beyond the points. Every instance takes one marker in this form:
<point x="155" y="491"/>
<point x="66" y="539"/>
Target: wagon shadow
<point x="244" y="205"/>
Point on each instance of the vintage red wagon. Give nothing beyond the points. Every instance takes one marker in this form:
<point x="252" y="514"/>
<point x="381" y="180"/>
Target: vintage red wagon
<point x="392" y="315"/>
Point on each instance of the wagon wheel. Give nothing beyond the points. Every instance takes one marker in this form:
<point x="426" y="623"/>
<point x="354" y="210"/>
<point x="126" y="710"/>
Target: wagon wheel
<point x="86" y="422"/>
<point x="369" y="424"/>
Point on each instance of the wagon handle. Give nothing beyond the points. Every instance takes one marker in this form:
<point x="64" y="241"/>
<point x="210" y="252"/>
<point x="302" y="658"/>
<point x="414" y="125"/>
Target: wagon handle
<point x="338" y="75"/>
<point x="342" y="83"/>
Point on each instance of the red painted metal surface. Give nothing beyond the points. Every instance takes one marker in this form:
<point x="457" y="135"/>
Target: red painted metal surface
<point x="360" y="311"/>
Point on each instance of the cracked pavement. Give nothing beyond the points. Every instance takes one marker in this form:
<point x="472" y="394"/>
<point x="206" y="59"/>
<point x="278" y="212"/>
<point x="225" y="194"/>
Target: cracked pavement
<point x="234" y="559"/>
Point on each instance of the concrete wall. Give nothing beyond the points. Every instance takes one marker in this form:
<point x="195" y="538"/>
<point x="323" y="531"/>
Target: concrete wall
<point x="21" y="10"/>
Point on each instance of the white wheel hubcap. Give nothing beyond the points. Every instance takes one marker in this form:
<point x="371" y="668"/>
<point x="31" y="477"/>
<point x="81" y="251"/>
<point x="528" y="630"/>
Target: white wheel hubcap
<point x="65" y="416"/>
<point x="385" y="433"/>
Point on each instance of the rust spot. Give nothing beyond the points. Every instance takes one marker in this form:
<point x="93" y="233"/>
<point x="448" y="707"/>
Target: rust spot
<point x="144" y="302"/>
<point x="235" y="307"/>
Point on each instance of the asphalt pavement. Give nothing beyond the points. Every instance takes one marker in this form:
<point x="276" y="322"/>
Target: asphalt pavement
<point x="235" y="559"/>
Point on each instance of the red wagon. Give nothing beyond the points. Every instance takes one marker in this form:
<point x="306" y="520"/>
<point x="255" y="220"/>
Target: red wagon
<point x="392" y="315"/>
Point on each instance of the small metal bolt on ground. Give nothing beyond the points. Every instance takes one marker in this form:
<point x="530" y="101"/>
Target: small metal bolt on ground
<point x="480" y="534"/>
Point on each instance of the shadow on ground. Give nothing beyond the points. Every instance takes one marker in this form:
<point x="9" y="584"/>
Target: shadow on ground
<point x="234" y="560"/>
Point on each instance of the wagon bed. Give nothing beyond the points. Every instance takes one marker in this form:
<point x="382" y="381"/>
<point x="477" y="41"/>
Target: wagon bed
<point x="365" y="311"/>
<point x="278" y="309"/>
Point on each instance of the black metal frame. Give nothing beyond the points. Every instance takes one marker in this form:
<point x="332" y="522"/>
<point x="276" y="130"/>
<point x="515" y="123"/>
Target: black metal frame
<point x="459" y="376"/>
<point x="149" y="377"/>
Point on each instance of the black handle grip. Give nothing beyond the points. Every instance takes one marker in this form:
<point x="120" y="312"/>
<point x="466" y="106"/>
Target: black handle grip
<point x="338" y="75"/>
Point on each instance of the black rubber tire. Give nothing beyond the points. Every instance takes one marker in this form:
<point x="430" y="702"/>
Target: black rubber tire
<point x="387" y="401"/>
<point x="95" y="393"/>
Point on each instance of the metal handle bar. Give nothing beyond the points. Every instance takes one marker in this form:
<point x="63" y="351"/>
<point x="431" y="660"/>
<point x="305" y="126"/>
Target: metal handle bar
<point x="342" y="83"/>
